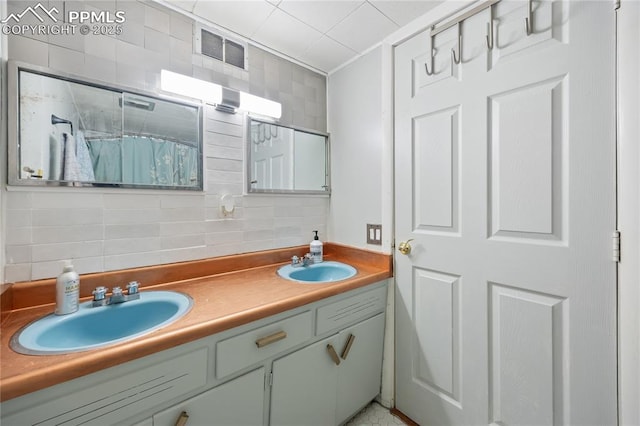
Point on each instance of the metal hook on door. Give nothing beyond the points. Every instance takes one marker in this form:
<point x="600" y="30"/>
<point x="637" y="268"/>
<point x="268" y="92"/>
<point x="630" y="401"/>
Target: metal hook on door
<point x="457" y="59"/>
<point x="489" y="35"/>
<point x="426" y="67"/>
<point x="528" y="21"/>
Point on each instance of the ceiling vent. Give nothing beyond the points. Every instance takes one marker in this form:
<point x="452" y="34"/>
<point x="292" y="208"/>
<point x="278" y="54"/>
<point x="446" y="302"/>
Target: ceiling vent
<point x="217" y="45"/>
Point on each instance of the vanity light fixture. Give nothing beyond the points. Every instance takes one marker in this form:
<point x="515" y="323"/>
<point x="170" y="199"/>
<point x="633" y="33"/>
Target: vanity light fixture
<point x="260" y="106"/>
<point x="216" y="94"/>
<point x="191" y="87"/>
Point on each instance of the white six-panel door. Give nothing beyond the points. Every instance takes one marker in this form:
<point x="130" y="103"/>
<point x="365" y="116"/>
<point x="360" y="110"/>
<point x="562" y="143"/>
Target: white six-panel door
<point x="505" y="181"/>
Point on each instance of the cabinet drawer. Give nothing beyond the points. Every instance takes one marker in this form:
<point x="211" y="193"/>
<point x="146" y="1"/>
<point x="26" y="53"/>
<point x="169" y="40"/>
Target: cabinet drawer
<point x="350" y="310"/>
<point x="113" y="401"/>
<point x="253" y="346"/>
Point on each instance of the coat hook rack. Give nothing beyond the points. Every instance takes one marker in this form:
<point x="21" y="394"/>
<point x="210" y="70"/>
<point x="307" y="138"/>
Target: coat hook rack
<point x="528" y="21"/>
<point x="449" y="22"/>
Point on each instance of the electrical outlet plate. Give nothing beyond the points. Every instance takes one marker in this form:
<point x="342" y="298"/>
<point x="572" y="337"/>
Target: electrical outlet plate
<point x="374" y="234"/>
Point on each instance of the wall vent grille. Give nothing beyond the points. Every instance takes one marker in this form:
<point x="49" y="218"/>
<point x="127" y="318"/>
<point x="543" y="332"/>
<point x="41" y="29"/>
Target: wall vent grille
<point x="218" y="46"/>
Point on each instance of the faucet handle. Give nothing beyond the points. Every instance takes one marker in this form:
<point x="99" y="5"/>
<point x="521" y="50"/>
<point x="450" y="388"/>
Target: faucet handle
<point x="132" y="287"/>
<point x="99" y="293"/>
<point x="307" y="259"/>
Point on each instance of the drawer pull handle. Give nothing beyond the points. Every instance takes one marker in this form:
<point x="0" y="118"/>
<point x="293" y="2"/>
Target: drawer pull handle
<point x="347" y="347"/>
<point x="272" y="338"/>
<point x="183" y="419"/>
<point x="332" y="353"/>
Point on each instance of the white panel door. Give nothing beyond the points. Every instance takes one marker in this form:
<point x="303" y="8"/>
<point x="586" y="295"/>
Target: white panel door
<point x="505" y="181"/>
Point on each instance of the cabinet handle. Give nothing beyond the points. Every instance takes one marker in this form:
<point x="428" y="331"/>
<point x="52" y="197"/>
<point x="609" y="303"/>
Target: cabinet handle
<point x="272" y="338"/>
<point x="183" y="419"/>
<point x="332" y="353"/>
<point x="347" y="347"/>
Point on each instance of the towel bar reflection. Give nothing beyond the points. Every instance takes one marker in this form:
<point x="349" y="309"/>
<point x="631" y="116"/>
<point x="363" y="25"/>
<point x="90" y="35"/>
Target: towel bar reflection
<point x="57" y="120"/>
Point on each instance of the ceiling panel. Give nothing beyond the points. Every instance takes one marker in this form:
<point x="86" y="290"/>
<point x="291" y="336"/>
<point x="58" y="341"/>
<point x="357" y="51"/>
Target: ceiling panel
<point x="241" y="17"/>
<point x="321" y="15"/>
<point x="290" y="36"/>
<point x="402" y="12"/>
<point x="363" y="28"/>
<point x="327" y="54"/>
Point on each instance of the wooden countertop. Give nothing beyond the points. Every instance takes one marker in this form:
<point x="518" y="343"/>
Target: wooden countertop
<point x="234" y="295"/>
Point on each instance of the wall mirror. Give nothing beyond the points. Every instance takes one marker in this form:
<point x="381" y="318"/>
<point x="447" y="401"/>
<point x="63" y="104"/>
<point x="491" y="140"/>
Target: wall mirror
<point x="283" y="159"/>
<point x="66" y="131"/>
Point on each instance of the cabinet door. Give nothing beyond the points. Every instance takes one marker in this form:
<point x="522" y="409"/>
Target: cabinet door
<point x="238" y="402"/>
<point x="360" y="372"/>
<point x="304" y="387"/>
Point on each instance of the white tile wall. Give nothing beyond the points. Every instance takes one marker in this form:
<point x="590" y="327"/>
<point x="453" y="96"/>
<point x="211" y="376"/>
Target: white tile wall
<point x="108" y="229"/>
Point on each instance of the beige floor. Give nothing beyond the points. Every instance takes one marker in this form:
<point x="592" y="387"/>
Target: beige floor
<point x="374" y="414"/>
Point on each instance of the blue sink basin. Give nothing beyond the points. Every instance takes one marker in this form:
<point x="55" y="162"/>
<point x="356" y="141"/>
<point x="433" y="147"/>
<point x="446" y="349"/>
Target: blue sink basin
<point x="95" y="327"/>
<point x="318" y="273"/>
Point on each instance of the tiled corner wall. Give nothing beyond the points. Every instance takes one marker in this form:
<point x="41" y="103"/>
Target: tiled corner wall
<point x="109" y="229"/>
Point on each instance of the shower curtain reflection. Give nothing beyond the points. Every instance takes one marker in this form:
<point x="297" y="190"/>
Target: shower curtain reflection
<point x="149" y="161"/>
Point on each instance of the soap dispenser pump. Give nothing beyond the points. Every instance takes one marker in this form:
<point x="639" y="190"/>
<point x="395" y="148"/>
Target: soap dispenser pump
<point x="315" y="248"/>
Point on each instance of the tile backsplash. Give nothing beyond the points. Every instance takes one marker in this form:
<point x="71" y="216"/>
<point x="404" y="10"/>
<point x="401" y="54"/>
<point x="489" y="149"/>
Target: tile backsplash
<point x="109" y="229"/>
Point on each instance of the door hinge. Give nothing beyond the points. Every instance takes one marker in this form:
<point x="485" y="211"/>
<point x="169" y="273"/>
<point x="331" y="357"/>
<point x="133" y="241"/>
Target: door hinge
<point x="616" y="4"/>
<point x="616" y="246"/>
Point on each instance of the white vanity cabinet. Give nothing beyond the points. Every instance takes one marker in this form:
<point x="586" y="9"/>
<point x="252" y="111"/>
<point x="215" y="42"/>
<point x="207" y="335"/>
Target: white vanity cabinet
<point x="327" y="382"/>
<point x="276" y="370"/>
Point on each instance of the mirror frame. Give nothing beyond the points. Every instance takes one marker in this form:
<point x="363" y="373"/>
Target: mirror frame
<point x="327" y="169"/>
<point x="13" y="160"/>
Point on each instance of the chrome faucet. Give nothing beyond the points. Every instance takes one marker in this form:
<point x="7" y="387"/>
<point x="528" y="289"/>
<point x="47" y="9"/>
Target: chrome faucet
<point x="305" y="260"/>
<point x="117" y="295"/>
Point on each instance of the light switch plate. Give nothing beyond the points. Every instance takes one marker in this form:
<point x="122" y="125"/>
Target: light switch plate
<point x="374" y="234"/>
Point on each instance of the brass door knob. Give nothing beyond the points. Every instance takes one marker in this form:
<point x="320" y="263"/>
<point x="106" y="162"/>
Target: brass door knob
<point x="404" y="247"/>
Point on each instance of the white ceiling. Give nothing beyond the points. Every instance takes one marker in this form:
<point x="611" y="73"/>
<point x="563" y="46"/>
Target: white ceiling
<point x="323" y="34"/>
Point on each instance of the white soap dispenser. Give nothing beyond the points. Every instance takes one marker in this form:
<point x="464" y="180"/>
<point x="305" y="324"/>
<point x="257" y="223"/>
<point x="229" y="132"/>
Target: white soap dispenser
<point x="67" y="290"/>
<point x="315" y="248"/>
